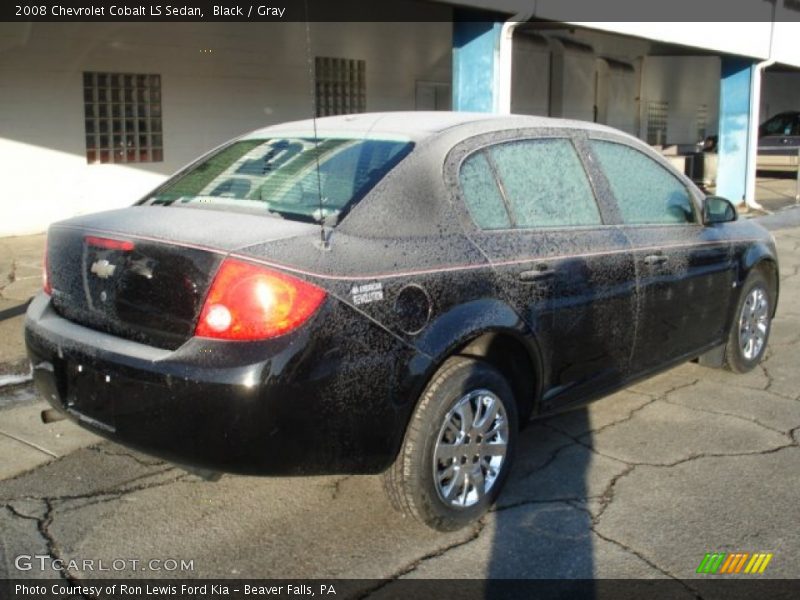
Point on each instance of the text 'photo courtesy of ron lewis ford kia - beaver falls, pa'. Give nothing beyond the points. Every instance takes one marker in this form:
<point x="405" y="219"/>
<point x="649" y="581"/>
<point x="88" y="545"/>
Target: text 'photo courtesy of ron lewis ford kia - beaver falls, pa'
<point x="392" y="292"/>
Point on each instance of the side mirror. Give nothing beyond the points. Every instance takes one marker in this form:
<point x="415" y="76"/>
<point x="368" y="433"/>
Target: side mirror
<point x="718" y="210"/>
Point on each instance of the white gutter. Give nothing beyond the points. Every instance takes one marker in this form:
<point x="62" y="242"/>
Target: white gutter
<point x="754" y="120"/>
<point x="506" y="53"/>
<point x="752" y="135"/>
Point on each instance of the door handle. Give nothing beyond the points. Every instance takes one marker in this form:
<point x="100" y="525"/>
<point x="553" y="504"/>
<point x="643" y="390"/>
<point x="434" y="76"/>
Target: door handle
<point x="655" y="259"/>
<point x="538" y="274"/>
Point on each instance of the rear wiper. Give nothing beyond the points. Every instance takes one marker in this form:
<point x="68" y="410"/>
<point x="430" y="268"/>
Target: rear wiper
<point x="277" y="213"/>
<point x="156" y="201"/>
<point x="330" y="220"/>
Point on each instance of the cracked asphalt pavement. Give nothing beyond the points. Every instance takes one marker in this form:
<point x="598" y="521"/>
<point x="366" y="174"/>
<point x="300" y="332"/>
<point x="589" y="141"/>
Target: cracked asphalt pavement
<point x="638" y="485"/>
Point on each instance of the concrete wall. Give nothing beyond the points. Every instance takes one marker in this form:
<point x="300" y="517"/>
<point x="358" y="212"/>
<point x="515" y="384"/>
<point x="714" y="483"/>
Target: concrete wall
<point x="686" y="83"/>
<point x="530" y="89"/>
<point x="618" y="91"/>
<point x="572" y="92"/>
<point x="747" y="34"/>
<point x="568" y="73"/>
<point x="218" y="80"/>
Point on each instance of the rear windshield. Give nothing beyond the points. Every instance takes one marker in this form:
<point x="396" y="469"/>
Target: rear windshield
<point x="297" y="178"/>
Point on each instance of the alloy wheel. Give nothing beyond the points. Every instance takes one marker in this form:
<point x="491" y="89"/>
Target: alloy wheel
<point x="753" y="323"/>
<point x="470" y="449"/>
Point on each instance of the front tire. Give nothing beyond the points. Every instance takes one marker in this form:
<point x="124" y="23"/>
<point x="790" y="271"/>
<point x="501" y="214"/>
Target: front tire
<point x="749" y="333"/>
<point x="458" y="447"/>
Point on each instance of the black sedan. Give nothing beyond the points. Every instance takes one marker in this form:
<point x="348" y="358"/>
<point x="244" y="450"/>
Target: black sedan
<point x="393" y="293"/>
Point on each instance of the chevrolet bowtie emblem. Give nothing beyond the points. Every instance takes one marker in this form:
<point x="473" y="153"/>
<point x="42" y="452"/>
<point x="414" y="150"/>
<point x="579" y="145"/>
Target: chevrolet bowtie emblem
<point x="103" y="269"/>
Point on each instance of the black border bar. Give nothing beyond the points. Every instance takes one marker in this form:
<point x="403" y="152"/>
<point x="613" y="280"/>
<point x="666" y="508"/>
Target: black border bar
<point x="708" y="588"/>
<point x="708" y="11"/>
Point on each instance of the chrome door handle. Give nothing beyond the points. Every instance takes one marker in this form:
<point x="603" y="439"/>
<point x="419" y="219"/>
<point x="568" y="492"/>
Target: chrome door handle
<point x="537" y="274"/>
<point x="655" y="259"/>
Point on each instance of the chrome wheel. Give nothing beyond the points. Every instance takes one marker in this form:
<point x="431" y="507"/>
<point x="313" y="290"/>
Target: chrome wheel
<point x="470" y="449"/>
<point x="754" y="323"/>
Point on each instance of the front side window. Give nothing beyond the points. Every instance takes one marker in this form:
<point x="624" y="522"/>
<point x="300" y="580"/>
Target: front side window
<point x="782" y="124"/>
<point x="297" y="178"/>
<point x="545" y="183"/>
<point x="646" y="192"/>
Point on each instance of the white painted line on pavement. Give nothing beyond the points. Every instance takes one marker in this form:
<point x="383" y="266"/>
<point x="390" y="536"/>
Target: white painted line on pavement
<point x="27" y="443"/>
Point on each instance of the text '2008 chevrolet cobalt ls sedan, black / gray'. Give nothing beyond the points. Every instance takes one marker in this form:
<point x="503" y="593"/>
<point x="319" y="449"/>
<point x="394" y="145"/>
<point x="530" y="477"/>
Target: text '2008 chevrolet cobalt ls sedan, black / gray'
<point x="392" y="293"/>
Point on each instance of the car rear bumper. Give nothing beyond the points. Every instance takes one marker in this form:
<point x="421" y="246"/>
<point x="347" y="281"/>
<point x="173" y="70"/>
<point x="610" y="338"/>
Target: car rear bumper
<point x="270" y="408"/>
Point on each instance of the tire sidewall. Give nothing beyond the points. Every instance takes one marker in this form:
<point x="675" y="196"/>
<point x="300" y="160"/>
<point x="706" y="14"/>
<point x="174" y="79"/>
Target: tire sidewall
<point x="472" y="376"/>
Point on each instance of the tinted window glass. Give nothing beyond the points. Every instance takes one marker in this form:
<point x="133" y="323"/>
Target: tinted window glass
<point x="284" y="176"/>
<point x="481" y="194"/>
<point x="545" y="183"/>
<point x="646" y="192"/>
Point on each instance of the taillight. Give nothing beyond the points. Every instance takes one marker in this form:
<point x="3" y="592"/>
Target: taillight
<point x="48" y="289"/>
<point x="248" y="302"/>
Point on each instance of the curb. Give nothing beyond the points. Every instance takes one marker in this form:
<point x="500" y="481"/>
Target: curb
<point x="15" y="311"/>
<point x="12" y="380"/>
<point x="15" y="373"/>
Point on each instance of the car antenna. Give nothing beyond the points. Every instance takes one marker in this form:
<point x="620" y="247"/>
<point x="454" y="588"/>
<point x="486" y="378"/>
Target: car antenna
<point x="323" y="236"/>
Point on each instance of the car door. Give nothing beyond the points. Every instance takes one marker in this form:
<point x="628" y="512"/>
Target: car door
<point x="568" y="274"/>
<point x="685" y="271"/>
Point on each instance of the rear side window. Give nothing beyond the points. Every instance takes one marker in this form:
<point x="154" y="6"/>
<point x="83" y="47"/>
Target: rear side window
<point x="545" y="183"/>
<point x="481" y="194"/>
<point x="646" y="192"/>
<point x="296" y="178"/>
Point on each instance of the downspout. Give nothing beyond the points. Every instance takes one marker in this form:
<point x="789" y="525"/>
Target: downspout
<point x="755" y="118"/>
<point x="506" y="53"/>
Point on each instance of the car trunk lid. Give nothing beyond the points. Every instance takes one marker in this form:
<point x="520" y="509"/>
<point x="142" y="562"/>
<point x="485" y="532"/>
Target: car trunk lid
<point x="143" y="273"/>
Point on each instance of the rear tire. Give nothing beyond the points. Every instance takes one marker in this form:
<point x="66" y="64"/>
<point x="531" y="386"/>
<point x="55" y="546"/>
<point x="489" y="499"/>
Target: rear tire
<point x="749" y="333"/>
<point x="458" y="447"/>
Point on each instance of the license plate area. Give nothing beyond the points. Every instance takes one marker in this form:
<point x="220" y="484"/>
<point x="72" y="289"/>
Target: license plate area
<point x="88" y="396"/>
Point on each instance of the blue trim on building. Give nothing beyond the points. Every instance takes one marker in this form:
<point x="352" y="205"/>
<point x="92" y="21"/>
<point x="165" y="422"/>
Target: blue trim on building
<point x="476" y="46"/>
<point x="734" y="119"/>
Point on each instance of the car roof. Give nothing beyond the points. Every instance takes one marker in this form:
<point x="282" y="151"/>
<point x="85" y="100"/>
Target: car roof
<point x="785" y="113"/>
<point x="415" y="125"/>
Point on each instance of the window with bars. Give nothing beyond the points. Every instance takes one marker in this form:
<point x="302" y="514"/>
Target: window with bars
<point x="341" y="86"/>
<point x="122" y="113"/>
<point x="657" y="122"/>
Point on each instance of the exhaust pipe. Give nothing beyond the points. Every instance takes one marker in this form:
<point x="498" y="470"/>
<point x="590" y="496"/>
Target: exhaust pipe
<point x="52" y="416"/>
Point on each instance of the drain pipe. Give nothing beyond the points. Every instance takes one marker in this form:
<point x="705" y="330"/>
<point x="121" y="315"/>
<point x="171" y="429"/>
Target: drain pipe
<point x="506" y="53"/>
<point x="755" y="118"/>
<point x="752" y="135"/>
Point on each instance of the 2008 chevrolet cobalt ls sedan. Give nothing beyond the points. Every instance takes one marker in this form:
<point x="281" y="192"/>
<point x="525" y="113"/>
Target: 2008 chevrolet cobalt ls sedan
<point x="392" y="293"/>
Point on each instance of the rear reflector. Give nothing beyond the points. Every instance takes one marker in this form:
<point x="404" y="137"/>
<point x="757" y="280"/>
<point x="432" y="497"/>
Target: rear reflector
<point x="109" y="244"/>
<point x="48" y="289"/>
<point x="248" y="302"/>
